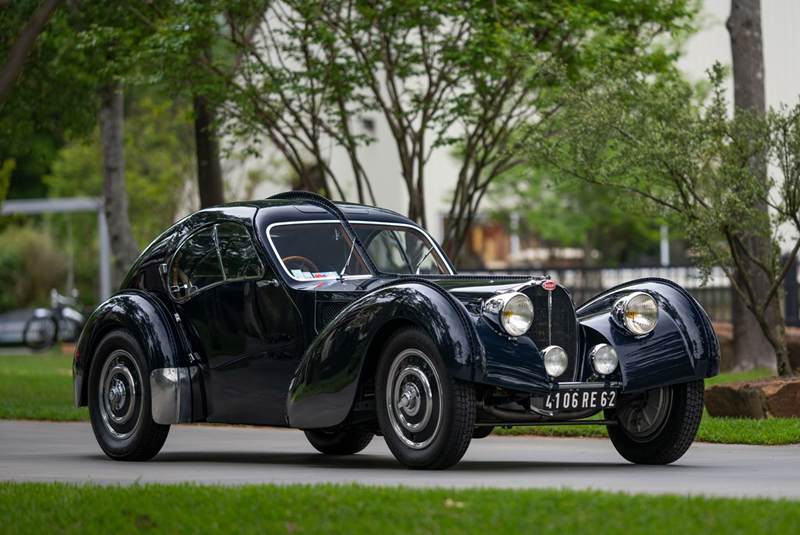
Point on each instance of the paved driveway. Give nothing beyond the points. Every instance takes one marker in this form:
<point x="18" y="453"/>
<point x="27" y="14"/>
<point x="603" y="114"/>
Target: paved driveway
<point x="46" y="451"/>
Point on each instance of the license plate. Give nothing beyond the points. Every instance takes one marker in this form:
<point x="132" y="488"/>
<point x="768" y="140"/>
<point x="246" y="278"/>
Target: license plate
<point x="570" y="400"/>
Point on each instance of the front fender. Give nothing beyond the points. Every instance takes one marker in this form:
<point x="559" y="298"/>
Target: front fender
<point x="146" y="318"/>
<point x="324" y="387"/>
<point x="683" y="347"/>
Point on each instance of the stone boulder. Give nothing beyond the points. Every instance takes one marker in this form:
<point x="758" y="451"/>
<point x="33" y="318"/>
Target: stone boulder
<point x="774" y="397"/>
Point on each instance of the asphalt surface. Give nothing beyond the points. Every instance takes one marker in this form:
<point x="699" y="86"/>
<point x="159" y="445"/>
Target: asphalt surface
<point x="47" y="451"/>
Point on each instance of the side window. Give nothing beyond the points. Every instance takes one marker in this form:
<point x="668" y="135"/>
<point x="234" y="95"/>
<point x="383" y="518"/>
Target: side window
<point x="239" y="257"/>
<point x="195" y="265"/>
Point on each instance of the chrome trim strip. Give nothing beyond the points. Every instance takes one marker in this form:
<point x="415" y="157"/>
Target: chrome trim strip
<point x="171" y="395"/>
<point x="587" y="386"/>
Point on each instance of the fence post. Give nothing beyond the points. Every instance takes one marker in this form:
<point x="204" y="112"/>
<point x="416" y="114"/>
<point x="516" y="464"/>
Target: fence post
<point x="791" y="299"/>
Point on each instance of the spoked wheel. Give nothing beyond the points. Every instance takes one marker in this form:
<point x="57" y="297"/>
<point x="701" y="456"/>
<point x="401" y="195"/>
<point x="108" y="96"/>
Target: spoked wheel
<point x="657" y="426"/>
<point x="426" y="416"/>
<point x="339" y="442"/>
<point x="40" y="332"/>
<point x="119" y="401"/>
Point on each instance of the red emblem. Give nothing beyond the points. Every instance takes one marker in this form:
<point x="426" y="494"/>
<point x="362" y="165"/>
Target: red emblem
<point x="549" y="285"/>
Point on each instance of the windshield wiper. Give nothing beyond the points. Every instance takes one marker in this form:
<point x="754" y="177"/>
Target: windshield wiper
<point x="349" y="256"/>
<point x="429" y="251"/>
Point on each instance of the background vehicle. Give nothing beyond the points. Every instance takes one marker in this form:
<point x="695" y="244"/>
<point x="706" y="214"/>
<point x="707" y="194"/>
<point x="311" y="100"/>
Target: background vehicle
<point x="59" y="322"/>
<point x="348" y="321"/>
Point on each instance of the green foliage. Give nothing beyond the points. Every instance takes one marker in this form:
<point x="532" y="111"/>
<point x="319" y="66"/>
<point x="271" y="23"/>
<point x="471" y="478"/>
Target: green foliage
<point x="54" y="97"/>
<point x="701" y="169"/>
<point x="336" y="509"/>
<point x="159" y="167"/>
<point x="617" y="229"/>
<point x="30" y="264"/>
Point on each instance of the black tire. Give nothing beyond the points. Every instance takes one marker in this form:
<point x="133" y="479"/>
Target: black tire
<point x="483" y="431"/>
<point x="40" y="332"/>
<point x="339" y="442"/>
<point x="668" y="433"/>
<point x="444" y="425"/>
<point x="119" y="400"/>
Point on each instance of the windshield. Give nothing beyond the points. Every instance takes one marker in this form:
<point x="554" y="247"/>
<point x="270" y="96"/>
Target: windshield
<point x="315" y="250"/>
<point x="400" y="249"/>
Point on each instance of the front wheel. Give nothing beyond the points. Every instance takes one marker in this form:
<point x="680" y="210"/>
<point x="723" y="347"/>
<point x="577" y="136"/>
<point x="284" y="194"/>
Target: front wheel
<point x="119" y="400"/>
<point x="41" y="331"/>
<point x="339" y="442"/>
<point x="657" y="426"/>
<point x="426" y="416"/>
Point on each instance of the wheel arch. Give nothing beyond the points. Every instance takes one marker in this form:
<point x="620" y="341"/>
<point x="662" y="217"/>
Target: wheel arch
<point x="145" y="318"/>
<point x="325" y="387"/>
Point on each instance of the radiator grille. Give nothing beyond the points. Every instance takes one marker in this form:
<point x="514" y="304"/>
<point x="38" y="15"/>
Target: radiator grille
<point x="563" y="325"/>
<point x="326" y="312"/>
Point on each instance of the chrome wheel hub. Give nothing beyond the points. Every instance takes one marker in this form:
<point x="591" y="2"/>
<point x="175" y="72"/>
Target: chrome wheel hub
<point x="413" y="399"/>
<point x="120" y="394"/>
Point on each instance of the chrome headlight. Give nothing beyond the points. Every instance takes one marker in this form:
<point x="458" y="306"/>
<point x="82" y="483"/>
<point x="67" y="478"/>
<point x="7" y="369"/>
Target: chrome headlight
<point x="555" y="360"/>
<point x="604" y="359"/>
<point x="511" y="311"/>
<point x="637" y="313"/>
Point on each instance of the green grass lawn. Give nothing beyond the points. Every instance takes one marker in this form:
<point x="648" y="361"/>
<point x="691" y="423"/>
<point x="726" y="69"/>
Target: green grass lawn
<point x="39" y="387"/>
<point x="58" y="508"/>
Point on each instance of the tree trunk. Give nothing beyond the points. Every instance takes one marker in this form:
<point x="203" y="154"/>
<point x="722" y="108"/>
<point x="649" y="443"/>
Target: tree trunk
<point x="12" y="67"/>
<point x="209" y="170"/>
<point x="123" y="244"/>
<point x="751" y="348"/>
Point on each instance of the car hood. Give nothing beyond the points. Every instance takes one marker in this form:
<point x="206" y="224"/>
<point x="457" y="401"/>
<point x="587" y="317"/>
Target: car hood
<point x="466" y="288"/>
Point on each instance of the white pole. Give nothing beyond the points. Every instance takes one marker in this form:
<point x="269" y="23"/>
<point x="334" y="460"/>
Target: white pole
<point x="664" y="246"/>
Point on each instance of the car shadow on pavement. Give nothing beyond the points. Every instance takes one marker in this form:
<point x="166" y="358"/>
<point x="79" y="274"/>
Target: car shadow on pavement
<point x="372" y="461"/>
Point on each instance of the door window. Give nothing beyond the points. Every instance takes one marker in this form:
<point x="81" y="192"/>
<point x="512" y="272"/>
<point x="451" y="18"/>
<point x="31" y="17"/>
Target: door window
<point x="196" y="265"/>
<point x="237" y="252"/>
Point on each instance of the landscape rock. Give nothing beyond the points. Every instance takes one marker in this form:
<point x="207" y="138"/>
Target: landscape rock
<point x="774" y="397"/>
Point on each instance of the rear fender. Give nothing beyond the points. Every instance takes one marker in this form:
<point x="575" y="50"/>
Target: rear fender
<point x="683" y="347"/>
<point x="325" y="385"/>
<point x="148" y="320"/>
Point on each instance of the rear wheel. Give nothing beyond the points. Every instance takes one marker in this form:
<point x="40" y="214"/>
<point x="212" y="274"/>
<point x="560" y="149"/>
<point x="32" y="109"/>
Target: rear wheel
<point x="339" y="442"/>
<point x="427" y="417"/>
<point x="119" y="400"/>
<point x="40" y="332"/>
<point x="657" y="426"/>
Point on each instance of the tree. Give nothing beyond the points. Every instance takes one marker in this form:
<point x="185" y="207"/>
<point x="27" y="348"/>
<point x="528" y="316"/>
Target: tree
<point x="12" y="67"/>
<point x="750" y="348"/>
<point x="463" y="75"/>
<point x="693" y="164"/>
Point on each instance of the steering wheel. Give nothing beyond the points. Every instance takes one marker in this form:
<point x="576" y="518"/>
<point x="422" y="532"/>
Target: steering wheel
<point x="302" y="261"/>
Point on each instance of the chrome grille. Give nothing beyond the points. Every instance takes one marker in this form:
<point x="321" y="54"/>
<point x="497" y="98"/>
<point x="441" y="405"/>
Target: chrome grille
<point x="555" y="324"/>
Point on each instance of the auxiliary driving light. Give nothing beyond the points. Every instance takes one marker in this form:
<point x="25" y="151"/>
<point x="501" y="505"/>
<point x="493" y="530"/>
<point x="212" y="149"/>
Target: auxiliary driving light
<point x="604" y="359"/>
<point x="555" y="360"/>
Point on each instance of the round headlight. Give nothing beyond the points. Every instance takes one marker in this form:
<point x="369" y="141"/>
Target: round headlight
<point x="555" y="360"/>
<point x="637" y="313"/>
<point x="517" y="315"/>
<point x="604" y="359"/>
<point x="513" y="312"/>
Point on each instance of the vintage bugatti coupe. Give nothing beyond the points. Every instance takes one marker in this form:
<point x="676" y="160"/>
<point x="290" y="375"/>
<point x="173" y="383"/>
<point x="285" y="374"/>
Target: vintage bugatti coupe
<point x="348" y="321"/>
